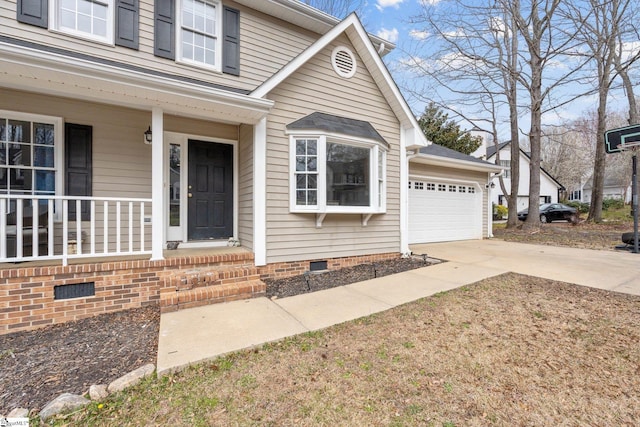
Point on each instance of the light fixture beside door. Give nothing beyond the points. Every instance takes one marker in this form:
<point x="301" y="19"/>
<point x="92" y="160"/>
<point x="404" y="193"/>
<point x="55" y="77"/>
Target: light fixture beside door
<point x="148" y="136"/>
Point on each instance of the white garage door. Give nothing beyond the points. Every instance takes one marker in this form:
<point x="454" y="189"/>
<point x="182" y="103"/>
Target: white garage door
<point x="444" y="211"/>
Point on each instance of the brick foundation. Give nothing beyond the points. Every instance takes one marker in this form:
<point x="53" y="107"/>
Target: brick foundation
<point x="281" y="270"/>
<point x="27" y="293"/>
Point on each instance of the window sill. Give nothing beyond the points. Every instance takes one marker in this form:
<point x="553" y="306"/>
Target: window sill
<point x="106" y="41"/>
<point x="199" y="65"/>
<point x="321" y="215"/>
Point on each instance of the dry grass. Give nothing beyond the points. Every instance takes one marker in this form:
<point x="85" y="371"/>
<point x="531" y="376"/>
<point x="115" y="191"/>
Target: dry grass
<point x="511" y="350"/>
<point x="584" y="235"/>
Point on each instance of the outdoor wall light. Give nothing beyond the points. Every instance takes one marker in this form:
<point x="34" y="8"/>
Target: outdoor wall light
<point x="492" y="185"/>
<point x="148" y="136"/>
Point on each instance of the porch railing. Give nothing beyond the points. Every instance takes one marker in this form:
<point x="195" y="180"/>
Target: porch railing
<point x="67" y="227"/>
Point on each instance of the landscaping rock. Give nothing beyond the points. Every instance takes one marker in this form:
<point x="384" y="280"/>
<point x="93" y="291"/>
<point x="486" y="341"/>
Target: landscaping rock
<point x="64" y="402"/>
<point x="132" y="378"/>
<point x="19" y="413"/>
<point x="98" y="392"/>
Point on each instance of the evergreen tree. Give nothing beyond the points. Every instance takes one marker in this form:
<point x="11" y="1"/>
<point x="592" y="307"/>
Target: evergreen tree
<point x="437" y="127"/>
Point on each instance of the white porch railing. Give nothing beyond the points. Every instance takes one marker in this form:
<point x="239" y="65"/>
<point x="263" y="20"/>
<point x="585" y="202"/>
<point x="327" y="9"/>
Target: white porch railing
<point x="46" y="227"/>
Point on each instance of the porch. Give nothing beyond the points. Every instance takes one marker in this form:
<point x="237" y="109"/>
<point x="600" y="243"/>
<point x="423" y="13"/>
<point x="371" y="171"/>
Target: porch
<point x="43" y="292"/>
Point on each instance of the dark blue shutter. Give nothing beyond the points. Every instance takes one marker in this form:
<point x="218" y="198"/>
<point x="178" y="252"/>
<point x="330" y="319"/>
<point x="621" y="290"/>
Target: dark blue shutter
<point x="231" y="41"/>
<point x="165" y="33"/>
<point x="78" y="166"/>
<point x="34" y="12"/>
<point x="127" y="23"/>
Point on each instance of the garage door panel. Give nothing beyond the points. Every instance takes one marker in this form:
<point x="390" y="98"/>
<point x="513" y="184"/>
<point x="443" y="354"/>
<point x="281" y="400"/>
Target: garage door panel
<point x="440" y="211"/>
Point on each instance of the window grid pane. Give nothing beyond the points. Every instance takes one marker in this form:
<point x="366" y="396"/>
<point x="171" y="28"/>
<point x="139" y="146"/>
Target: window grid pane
<point x="27" y="157"/>
<point x="199" y="31"/>
<point x="306" y="177"/>
<point x="85" y="16"/>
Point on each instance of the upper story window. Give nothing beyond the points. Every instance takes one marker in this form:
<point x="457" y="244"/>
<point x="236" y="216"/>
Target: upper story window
<point x="85" y="18"/>
<point x="507" y="165"/>
<point x="199" y="32"/>
<point x="334" y="175"/>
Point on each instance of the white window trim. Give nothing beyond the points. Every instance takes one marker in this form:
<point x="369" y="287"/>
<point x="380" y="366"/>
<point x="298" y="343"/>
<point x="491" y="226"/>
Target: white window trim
<point x="376" y="148"/>
<point x="58" y="148"/>
<point x="218" y="36"/>
<point x="54" y="23"/>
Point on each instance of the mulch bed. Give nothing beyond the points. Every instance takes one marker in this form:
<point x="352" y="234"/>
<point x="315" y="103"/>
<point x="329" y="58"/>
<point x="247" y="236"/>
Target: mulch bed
<point x="312" y="282"/>
<point x="37" y="366"/>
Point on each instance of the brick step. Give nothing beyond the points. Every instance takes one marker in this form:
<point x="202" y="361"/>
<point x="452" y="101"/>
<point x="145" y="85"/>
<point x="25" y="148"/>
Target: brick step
<point x="183" y="280"/>
<point x="213" y="260"/>
<point x="205" y="295"/>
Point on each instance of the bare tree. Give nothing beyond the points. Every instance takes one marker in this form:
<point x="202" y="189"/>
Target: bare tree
<point x="337" y="8"/>
<point x="600" y="27"/>
<point x="473" y="72"/>
<point x="567" y="154"/>
<point x="504" y="52"/>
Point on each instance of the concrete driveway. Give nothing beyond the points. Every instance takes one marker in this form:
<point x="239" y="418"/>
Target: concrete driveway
<point x="611" y="270"/>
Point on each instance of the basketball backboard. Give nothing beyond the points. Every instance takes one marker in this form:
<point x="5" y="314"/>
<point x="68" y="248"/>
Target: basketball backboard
<point x="616" y="140"/>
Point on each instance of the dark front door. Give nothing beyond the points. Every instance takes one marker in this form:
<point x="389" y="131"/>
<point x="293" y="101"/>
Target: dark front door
<point x="210" y="191"/>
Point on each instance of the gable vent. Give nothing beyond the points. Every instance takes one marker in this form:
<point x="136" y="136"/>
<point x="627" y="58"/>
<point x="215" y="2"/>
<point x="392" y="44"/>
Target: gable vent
<point x="343" y="61"/>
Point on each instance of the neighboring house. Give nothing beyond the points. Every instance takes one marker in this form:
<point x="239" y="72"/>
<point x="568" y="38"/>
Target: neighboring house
<point x="613" y="188"/>
<point x="269" y="125"/>
<point x="449" y="195"/>
<point x="550" y="188"/>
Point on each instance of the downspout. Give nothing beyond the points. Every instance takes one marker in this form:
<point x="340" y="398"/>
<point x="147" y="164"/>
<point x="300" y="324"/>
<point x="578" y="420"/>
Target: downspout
<point x="381" y="48"/>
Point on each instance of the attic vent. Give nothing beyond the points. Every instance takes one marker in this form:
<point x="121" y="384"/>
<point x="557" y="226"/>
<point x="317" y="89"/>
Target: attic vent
<point x="343" y="61"/>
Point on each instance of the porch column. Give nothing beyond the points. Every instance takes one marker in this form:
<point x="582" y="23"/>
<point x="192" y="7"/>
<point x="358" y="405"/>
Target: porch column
<point x="489" y="206"/>
<point x="260" y="192"/>
<point x="157" y="184"/>
<point x="404" y="199"/>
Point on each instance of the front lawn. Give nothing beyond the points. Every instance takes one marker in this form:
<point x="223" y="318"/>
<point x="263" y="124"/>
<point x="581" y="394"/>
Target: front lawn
<point x="604" y="236"/>
<point x="510" y="350"/>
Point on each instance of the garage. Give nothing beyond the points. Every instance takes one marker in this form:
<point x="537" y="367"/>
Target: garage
<point x="442" y="211"/>
<point x="448" y="196"/>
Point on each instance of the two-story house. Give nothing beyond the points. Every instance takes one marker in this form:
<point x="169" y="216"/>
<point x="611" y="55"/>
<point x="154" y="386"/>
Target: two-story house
<point x="131" y="127"/>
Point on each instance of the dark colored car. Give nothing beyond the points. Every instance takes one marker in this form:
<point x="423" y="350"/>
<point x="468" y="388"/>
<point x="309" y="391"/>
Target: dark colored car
<point x="552" y="212"/>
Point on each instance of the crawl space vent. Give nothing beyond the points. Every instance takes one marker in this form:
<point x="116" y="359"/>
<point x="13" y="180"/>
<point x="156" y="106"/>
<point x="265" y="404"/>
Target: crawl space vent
<point x="343" y="61"/>
<point x="77" y="290"/>
<point x="317" y="265"/>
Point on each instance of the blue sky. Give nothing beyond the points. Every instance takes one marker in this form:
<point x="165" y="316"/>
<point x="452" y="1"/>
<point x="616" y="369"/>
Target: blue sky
<point x="390" y="19"/>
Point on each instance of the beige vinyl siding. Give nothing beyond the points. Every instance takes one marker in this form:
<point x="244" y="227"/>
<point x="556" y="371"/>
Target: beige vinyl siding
<point x="266" y="45"/>
<point x="121" y="160"/>
<point x="316" y="87"/>
<point x="245" y="187"/>
<point x="421" y="170"/>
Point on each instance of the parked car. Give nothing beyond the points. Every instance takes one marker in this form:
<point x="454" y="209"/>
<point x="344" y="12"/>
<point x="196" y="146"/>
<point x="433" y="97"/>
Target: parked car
<point x="552" y="212"/>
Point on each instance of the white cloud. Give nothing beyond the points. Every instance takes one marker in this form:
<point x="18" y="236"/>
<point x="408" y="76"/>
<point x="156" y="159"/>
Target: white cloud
<point x="381" y="4"/>
<point x="454" y="34"/>
<point x="390" y="35"/>
<point x="418" y="34"/>
<point x="428" y="2"/>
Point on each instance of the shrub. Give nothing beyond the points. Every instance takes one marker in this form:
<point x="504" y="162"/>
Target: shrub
<point x="501" y="211"/>
<point x="581" y="207"/>
<point x="612" y="203"/>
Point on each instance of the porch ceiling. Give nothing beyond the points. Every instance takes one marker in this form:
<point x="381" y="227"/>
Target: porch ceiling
<point x="59" y="75"/>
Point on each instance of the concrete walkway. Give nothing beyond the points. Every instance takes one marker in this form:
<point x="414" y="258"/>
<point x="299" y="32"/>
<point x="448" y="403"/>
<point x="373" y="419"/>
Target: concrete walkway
<point x="198" y="334"/>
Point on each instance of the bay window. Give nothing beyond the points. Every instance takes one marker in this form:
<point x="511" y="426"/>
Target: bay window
<point x="333" y="174"/>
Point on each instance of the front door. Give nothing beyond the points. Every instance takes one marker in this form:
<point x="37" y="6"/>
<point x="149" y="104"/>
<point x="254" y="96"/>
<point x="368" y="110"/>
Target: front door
<point x="210" y="191"/>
